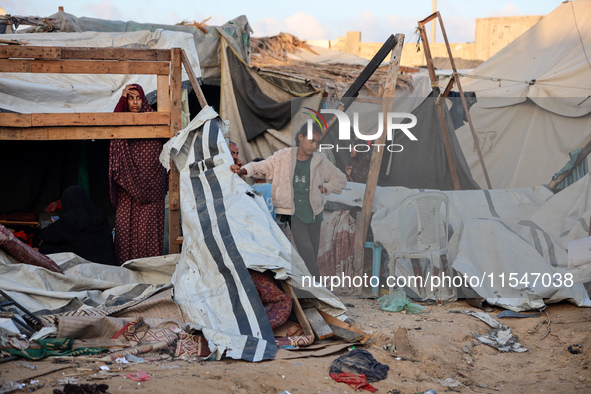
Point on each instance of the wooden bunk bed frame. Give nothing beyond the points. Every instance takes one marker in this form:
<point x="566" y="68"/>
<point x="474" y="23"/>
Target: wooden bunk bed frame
<point x="166" y="64"/>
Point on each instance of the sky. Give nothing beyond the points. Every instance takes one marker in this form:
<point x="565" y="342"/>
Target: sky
<point x="306" y="19"/>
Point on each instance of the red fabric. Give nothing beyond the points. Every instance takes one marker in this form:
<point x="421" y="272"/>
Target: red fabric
<point x="277" y="304"/>
<point x="358" y="382"/>
<point x="24" y="253"/>
<point x="139" y="376"/>
<point x="24" y="238"/>
<point x="337" y="238"/>
<point x="138" y="187"/>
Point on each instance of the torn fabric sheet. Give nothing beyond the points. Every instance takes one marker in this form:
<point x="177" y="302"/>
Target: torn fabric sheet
<point x="227" y="230"/>
<point x="497" y="235"/>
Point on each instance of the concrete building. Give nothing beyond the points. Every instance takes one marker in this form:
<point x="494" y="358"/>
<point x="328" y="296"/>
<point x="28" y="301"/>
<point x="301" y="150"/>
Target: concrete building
<point x="492" y="34"/>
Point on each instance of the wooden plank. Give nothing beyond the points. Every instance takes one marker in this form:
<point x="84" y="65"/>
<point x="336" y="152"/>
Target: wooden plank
<point x="15" y="66"/>
<point x="344" y="334"/>
<point x="358" y="250"/>
<point x="163" y="93"/>
<point x="175" y="127"/>
<point x="319" y="326"/>
<point x="84" y="53"/>
<point x="376" y="154"/>
<point x="33" y="52"/>
<point x="8" y="223"/>
<point x="428" y="57"/>
<point x="83" y="133"/>
<point x="15" y="120"/>
<point x="100" y="119"/>
<point x="115" y="54"/>
<point x="297" y="309"/>
<point x="83" y="66"/>
<point x="456" y="77"/>
<point x="194" y="81"/>
<point x="336" y="322"/>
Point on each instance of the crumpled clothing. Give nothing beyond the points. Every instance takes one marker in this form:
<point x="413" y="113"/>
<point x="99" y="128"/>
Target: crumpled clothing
<point x="358" y="382"/>
<point x="82" y="389"/>
<point x="359" y="361"/>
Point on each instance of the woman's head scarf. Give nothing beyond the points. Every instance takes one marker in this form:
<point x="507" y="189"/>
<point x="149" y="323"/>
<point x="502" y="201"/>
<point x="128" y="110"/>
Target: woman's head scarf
<point x="145" y="105"/>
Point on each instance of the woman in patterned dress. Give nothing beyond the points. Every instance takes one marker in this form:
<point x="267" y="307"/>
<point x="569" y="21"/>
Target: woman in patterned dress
<point x="138" y="186"/>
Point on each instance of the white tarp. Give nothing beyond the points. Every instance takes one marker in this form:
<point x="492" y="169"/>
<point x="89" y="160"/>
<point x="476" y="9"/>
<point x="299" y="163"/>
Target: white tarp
<point x="533" y="101"/>
<point x="56" y="93"/>
<point x="227" y="230"/>
<point x="521" y="233"/>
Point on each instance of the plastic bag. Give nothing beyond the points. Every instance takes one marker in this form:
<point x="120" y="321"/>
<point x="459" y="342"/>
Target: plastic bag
<point x="397" y="301"/>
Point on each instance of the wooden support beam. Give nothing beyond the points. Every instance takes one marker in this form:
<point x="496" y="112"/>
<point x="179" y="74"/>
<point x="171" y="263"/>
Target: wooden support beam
<point x="84" y="119"/>
<point x="377" y="154"/>
<point x="336" y="322"/>
<point x="14" y="51"/>
<point x="428" y="57"/>
<point x="15" y="120"/>
<point x="83" y="67"/>
<point x="100" y="119"/>
<point x="320" y="327"/>
<point x="84" y="53"/>
<point x="194" y="81"/>
<point x="175" y="127"/>
<point x="358" y="249"/>
<point x="297" y="309"/>
<point x="434" y="84"/>
<point x="163" y="94"/>
<point x="83" y="133"/>
<point x="464" y="104"/>
<point x="127" y="54"/>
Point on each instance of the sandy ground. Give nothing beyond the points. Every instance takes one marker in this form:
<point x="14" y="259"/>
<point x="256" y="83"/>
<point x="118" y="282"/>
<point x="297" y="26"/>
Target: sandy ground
<point x="442" y="342"/>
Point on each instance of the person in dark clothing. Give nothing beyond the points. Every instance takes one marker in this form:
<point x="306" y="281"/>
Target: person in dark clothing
<point x="138" y="186"/>
<point x="82" y="229"/>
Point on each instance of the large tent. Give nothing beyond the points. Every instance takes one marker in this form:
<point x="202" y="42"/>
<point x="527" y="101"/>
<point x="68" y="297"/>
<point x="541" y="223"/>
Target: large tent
<point x="533" y="101"/>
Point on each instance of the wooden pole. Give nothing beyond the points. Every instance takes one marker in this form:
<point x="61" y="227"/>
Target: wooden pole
<point x="376" y="158"/>
<point x="464" y="104"/>
<point x="440" y="113"/>
<point x="194" y="81"/>
<point x="175" y="127"/>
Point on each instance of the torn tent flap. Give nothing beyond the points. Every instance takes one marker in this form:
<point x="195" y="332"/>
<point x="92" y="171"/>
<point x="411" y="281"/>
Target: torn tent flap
<point x="226" y="233"/>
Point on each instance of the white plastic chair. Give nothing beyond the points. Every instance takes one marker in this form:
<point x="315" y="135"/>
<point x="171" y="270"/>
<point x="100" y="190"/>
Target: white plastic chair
<point x="430" y="244"/>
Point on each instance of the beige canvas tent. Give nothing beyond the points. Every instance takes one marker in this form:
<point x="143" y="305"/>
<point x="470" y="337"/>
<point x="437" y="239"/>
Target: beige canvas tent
<point x="533" y="101"/>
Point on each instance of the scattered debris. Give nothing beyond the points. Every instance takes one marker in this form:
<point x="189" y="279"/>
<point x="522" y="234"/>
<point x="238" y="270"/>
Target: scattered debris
<point x="575" y="349"/>
<point x="449" y="382"/>
<point x="500" y="337"/>
<point x="516" y="314"/>
<point x="27" y="365"/>
<point x="139" y="376"/>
